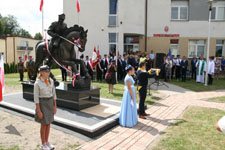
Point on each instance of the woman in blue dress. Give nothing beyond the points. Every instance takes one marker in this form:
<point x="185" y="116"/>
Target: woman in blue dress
<point x="128" y="114"/>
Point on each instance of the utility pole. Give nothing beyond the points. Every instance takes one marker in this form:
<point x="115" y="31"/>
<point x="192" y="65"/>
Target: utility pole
<point x="146" y="24"/>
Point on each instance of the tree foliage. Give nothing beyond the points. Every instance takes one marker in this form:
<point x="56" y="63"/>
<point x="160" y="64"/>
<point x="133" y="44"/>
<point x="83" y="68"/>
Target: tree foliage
<point x="38" y="36"/>
<point x="10" y="27"/>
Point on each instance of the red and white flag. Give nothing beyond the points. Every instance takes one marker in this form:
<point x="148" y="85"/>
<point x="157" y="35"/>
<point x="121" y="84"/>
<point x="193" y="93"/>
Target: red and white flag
<point x="78" y="6"/>
<point x="41" y="5"/>
<point x="95" y="58"/>
<point x="2" y="82"/>
<point x="25" y="58"/>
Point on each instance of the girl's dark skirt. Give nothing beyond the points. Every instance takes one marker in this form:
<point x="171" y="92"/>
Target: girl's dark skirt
<point x="47" y="109"/>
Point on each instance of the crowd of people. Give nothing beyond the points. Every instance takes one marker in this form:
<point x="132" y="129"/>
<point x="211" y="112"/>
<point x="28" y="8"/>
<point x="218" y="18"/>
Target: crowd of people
<point x="173" y="67"/>
<point x="179" y="68"/>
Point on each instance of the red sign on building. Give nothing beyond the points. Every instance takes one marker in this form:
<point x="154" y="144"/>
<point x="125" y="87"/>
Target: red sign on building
<point x="166" y="35"/>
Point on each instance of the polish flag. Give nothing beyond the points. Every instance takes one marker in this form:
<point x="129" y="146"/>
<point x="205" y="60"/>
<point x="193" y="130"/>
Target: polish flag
<point x="2" y="82"/>
<point x="41" y="5"/>
<point x="95" y="58"/>
<point x="78" y="6"/>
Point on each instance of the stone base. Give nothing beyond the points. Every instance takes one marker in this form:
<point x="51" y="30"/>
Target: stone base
<point x="68" y="97"/>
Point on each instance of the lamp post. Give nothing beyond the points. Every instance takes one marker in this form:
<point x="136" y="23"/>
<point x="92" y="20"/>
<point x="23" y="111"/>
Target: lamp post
<point x="210" y="3"/>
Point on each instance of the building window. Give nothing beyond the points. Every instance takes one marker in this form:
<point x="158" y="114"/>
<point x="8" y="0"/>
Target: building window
<point x="179" y="10"/>
<point x="220" y="48"/>
<point x="218" y="11"/>
<point x="197" y="48"/>
<point x="24" y="43"/>
<point x="174" y="47"/>
<point x="112" y="13"/>
<point x="113" y="37"/>
<point x="131" y="43"/>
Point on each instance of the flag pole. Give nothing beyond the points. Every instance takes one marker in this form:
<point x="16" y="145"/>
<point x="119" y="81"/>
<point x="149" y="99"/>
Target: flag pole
<point x="43" y="21"/>
<point x="117" y="38"/>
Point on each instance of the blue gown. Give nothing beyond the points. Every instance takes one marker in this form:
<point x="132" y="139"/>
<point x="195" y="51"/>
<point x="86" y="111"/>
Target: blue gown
<point x="128" y="114"/>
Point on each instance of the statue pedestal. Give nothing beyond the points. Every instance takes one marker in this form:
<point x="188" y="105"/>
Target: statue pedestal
<point x="67" y="97"/>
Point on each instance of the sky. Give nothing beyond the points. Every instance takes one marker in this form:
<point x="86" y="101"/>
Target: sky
<point x="28" y="14"/>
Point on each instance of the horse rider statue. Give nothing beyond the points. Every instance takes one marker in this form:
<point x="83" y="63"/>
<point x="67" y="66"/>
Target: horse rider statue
<point x="56" y="30"/>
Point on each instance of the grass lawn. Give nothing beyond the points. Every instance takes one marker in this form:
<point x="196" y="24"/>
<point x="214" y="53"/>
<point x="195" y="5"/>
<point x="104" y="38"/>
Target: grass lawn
<point x="217" y="99"/>
<point x="12" y="80"/>
<point x="118" y="92"/>
<point x="198" y="87"/>
<point x="9" y="148"/>
<point x="194" y="131"/>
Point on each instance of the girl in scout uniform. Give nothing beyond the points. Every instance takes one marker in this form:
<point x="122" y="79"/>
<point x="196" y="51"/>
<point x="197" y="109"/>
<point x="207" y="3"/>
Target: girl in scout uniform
<point x="45" y="100"/>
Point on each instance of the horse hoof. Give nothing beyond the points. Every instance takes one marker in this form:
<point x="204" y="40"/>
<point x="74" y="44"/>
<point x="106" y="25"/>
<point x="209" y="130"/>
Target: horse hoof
<point x="56" y="83"/>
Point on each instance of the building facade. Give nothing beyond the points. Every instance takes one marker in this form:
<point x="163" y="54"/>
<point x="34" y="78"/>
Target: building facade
<point x="14" y="47"/>
<point x="125" y="25"/>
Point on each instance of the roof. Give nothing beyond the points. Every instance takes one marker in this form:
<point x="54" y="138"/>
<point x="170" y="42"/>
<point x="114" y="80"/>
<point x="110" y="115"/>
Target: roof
<point x="21" y="37"/>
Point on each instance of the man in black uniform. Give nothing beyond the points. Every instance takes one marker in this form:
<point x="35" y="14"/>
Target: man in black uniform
<point x="99" y="69"/>
<point x="57" y="29"/>
<point x="142" y="82"/>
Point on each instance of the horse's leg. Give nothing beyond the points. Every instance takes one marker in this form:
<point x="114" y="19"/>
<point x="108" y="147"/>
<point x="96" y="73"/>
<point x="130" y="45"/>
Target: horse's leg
<point x="39" y="60"/>
<point x="72" y="64"/>
<point x="83" y="67"/>
<point x="49" y="63"/>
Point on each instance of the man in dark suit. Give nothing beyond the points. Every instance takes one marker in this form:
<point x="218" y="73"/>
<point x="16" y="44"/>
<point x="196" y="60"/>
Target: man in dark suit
<point x="100" y="69"/>
<point x="90" y="69"/>
<point x="64" y="74"/>
<point x="184" y="65"/>
<point x="105" y="63"/>
<point x="193" y="67"/>
<point x="125" y="63"/>
<point x="119" y="68"/>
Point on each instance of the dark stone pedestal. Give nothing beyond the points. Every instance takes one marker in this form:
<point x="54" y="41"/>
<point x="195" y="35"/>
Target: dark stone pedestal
<point x="68" y="97"/>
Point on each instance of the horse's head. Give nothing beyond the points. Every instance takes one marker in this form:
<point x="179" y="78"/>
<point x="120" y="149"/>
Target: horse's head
<point x="83" y="40"/>
<point x="79" y="38"/>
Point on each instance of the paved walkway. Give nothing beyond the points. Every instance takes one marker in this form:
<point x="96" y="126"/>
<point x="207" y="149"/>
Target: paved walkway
<point x="163" y="113"/>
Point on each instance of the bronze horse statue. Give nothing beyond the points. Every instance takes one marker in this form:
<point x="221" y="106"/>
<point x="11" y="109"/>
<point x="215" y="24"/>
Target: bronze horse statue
<point x="65" y="55"/>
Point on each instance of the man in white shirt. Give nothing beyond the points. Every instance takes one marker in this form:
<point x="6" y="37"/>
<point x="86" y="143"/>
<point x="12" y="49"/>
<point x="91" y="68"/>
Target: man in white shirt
<point x="201" y="69"/>
<point x="178" y="67"/>
<point x="152" y="58"/>
<point x="211" y="69"/>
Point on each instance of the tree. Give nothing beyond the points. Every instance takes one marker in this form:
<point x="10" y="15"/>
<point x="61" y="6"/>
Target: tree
<point x="10" y="26"/>
<point x="23" y="32"/>
<point x="38" y="36"/>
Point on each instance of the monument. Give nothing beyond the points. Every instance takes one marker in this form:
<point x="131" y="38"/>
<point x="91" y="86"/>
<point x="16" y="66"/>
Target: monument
<point x="79" y="94"/>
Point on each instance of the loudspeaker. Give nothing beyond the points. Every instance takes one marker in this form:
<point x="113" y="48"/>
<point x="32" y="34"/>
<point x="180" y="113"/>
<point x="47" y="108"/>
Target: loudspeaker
<point x="159" y="59"/>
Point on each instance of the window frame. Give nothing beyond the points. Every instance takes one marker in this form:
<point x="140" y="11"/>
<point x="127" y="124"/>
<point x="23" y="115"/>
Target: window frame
<point x="218" y="5"/>
<point x="223" y="49"/>
<point x="179" y="6"/>
<point x="196" y="48"/>
<point x="175" y="44"/>
<point x="113" y="15"/>
<point x="113" y="43"/>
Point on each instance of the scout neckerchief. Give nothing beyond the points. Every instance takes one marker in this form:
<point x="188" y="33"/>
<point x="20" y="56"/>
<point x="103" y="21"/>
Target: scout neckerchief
<point x="46" y="81"/>
<point x="202" y="68"/>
